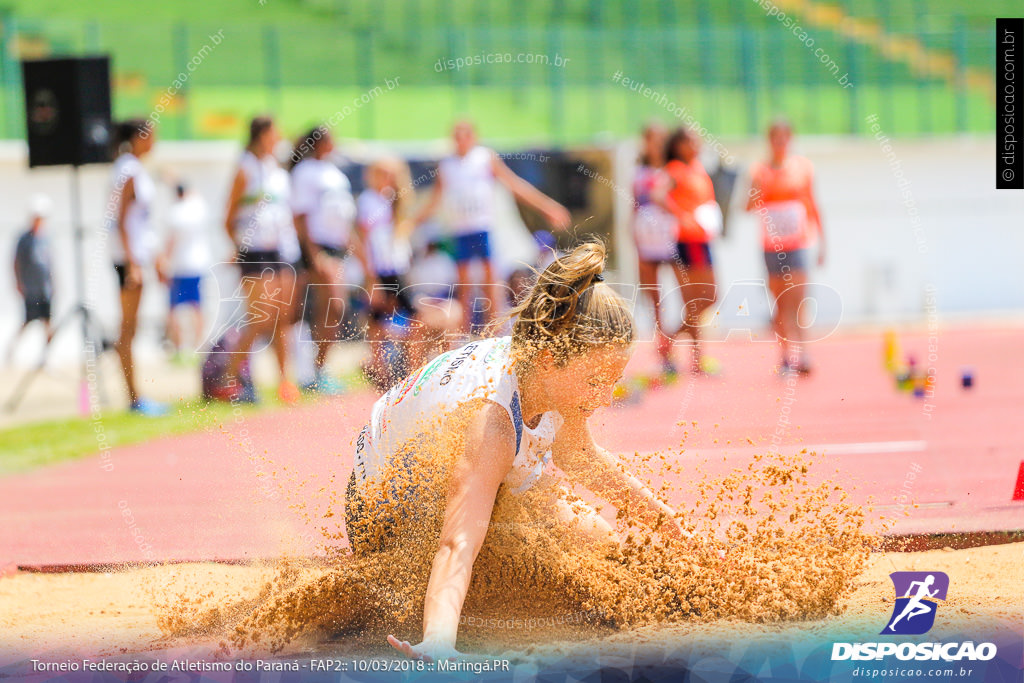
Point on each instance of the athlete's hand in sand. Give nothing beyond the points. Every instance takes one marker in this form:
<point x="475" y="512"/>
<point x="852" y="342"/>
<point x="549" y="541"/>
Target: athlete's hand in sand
<point x="425" y="651"/>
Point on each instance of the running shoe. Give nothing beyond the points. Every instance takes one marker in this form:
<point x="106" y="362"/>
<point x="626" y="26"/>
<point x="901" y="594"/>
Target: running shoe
<point x="147" y="408"/>
<point x="328" y="386"/>
<point x="325" y="385"/>
<point x="801" y="368"/>
<point x="288" y="393"/>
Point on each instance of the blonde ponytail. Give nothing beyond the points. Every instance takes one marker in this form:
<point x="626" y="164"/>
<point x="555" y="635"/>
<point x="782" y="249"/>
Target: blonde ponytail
<point x="570" y="309"/>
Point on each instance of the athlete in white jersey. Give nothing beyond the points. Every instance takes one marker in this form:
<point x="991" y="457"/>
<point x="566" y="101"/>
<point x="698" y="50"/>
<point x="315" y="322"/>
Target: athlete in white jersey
<point x="138" y="225"/>
<point x="324" y="212"/>
<point x="133" y="241"/>
<point x="403" y="330"/>
<point x="259" y="222"/>
<point x="654" y="228"/>
<point x="261" y="217"/>
<point x="187" y="255"/>
<point x="468" y="191"/>
<point x="518" y="403"/>
<point x="465" y="189"/>
<point x="481" y="370"/>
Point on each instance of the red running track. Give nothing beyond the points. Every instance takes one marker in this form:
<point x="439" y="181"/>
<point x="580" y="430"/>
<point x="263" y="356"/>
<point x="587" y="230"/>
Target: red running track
<point x="231" y="493"/>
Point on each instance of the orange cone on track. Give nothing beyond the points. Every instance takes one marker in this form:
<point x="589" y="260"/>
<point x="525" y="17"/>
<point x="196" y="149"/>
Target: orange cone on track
<point x="1018" y="490"/>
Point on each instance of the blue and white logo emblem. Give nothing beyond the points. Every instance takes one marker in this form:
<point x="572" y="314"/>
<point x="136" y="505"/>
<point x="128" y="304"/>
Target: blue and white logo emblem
<point x="917" y="596"/>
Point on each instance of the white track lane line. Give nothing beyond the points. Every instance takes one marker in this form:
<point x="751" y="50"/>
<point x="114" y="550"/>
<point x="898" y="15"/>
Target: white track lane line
<point x="857" y="448"/>
<point x="865" y="447"/>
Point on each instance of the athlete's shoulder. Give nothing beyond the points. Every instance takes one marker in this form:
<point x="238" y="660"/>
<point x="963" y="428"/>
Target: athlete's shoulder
<point x="248" y="164"/>
<point x="304" y="175"/>
<point x="306" y="166"/>
<point x="127" y="164"/>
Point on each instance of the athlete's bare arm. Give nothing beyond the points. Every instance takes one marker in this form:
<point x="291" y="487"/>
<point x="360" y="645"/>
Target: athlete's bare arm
<point x="583" y="461"/>
<point x="133" y="276"/>
<point x="357" y="245"/>
<point x="476" y="476"/>
<point x="555" y="214"/>
<point x="237" y="188"/>
<point x="815" y="215"/>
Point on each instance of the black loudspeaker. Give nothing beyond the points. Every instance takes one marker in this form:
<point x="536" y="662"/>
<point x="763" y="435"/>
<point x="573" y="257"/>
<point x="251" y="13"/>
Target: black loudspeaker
<point x="67" y="110"/>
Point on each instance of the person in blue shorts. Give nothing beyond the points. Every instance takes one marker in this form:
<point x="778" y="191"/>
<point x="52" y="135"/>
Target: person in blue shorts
<point x="465" y="188"/>
<point x="186" y="257"/>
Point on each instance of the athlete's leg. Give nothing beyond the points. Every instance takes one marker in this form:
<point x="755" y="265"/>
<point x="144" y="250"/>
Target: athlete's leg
<point x="465" y="294"/>
<point x="131" y="295"/>
<point x="14" y="342"/>
<point x="328" y="309"/>
<point x="794" y="296"/>
<point x="492" y="291"/>
<point x="647" y="273"/>
<point x="196" y="311"/>
<point x="173" y="328"/>
<point x="777" y="286"/>
<point x="700" y="295"/>
<point x="261" y="317"/>
<point x="283" y="283"/>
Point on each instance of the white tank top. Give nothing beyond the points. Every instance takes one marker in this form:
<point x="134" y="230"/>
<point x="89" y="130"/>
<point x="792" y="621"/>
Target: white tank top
<point x="188" y="221"/>
<point x="654" y="229"/>
<point x="322" y="193"/>
<point x="137" y="223"/>
<point x="263" y="221"/>
<point x="468" y="190"/>
<point x="413" y="408"/>
<point x="388" y="256"/>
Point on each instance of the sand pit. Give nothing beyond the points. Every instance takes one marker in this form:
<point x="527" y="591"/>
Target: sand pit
<point x="93" y="614"/>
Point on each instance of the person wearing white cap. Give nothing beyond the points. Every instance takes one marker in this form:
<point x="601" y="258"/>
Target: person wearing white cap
<point x="32" y="269"/>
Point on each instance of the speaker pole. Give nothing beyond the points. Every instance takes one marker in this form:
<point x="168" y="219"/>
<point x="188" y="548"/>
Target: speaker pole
<point x="78" y="240"/>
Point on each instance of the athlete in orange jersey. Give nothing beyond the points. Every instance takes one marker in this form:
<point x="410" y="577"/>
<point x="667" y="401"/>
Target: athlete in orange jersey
<point x="690" y="197"/>
<point x="782" y="196"/>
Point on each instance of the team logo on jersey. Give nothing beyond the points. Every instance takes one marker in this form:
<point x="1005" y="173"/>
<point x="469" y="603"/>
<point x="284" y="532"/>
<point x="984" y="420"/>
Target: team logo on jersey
<point x="415" y="382"/>
<point x="498" y="347"/>
<point x="428" y="370"/>
<point x="917" y="596"/>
